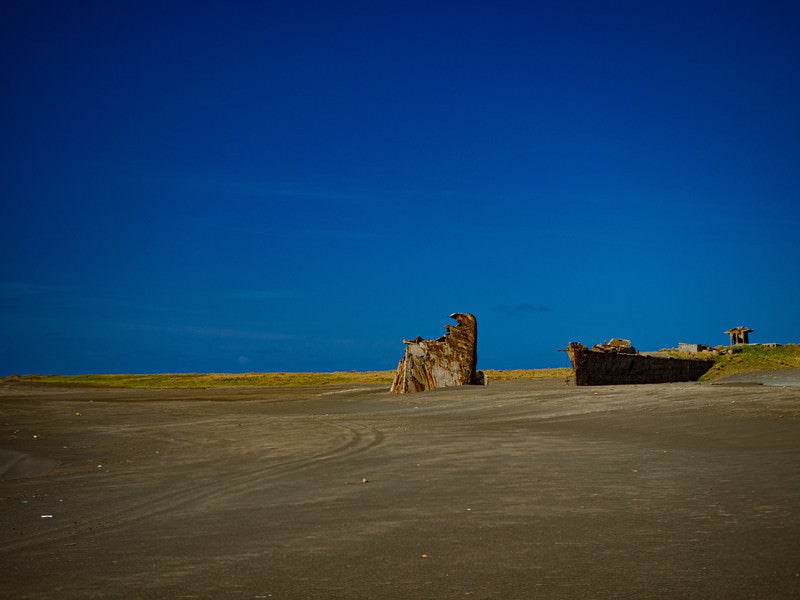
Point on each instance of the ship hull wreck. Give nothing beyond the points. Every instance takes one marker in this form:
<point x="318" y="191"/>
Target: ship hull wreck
<point x="594" y="367"/>
<point x="448" y="361"/>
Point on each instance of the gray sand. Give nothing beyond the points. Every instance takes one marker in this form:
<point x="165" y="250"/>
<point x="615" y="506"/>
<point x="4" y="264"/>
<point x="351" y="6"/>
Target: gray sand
<point x="515" y="490"/>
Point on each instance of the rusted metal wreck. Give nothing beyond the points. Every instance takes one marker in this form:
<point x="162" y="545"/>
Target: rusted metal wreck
<point x="450" y="360"/>
<point x="619" y="363"/>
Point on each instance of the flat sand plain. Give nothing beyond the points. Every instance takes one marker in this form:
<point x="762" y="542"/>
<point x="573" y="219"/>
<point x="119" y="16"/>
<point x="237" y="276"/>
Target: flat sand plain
<point x="514" y="490"/>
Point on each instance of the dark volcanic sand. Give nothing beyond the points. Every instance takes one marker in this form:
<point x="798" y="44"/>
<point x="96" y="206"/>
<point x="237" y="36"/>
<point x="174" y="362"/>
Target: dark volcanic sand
<point x="515" y="490"/>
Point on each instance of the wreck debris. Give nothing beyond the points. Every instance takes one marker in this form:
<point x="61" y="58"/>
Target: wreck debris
<point x="616" y="345"/>
<point x="451" y="360"/>
<point x="609" y="366"/>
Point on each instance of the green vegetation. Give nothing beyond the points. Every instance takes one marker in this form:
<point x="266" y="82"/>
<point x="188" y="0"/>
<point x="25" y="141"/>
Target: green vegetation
<point x="746" y="359"/>
<point x="212" y="380"/>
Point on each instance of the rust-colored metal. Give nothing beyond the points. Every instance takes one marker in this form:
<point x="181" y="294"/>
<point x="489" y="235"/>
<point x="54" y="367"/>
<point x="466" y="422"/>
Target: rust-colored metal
<point x="450" y="360"/>
<point x="605" y="366"/>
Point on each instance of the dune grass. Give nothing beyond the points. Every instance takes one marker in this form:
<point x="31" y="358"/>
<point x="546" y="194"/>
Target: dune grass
<point x="209" y="380"/>
<point x="745" y="359"/>
<point x="740" y="359"/>
<point x="213" y="380"/>
<point x="750" y="358"/>
<point x="528" y="374"/>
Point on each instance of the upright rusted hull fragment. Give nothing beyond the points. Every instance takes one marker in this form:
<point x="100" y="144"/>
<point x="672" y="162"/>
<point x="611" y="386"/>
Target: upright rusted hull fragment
<point x="450" y="360"/>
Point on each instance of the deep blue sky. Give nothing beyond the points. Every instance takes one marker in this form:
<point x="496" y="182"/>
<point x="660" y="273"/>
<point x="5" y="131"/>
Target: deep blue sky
<point x="268" y="186"/>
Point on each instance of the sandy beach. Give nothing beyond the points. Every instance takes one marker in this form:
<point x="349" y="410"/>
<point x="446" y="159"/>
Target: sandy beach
<point x="514" y="490"/>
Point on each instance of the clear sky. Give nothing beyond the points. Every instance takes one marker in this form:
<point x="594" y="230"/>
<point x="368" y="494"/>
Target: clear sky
<point x="293" y="186"/>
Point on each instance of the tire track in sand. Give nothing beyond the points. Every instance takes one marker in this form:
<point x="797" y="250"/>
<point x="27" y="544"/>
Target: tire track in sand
<point x="357" y="439"/>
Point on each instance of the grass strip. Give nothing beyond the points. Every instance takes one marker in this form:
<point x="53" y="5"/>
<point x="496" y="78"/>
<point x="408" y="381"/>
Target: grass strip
<point x="212" y="380"/>
<point x="727" y="361"/>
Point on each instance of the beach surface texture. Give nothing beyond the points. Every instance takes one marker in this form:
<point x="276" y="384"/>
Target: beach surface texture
<point x="520" y="489"/>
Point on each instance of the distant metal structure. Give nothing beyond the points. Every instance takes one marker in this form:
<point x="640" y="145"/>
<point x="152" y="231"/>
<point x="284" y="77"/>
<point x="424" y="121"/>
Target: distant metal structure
<point x="739" y="335"/>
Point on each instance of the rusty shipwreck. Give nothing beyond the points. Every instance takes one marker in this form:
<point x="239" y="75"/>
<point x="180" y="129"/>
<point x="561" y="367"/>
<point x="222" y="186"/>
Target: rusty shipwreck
<point x="448" y="361"/>
<point x="617" y="362"/>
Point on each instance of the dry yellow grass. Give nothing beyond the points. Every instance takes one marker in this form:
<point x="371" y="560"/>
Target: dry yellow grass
<point x="210" y="380"/>
<point x="512" y="374"/>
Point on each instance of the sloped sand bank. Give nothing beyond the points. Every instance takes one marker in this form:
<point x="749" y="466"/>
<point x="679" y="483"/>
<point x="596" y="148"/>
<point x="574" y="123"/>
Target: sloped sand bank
<point x="780" y="377"/>
<point x="515" y="490"/>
